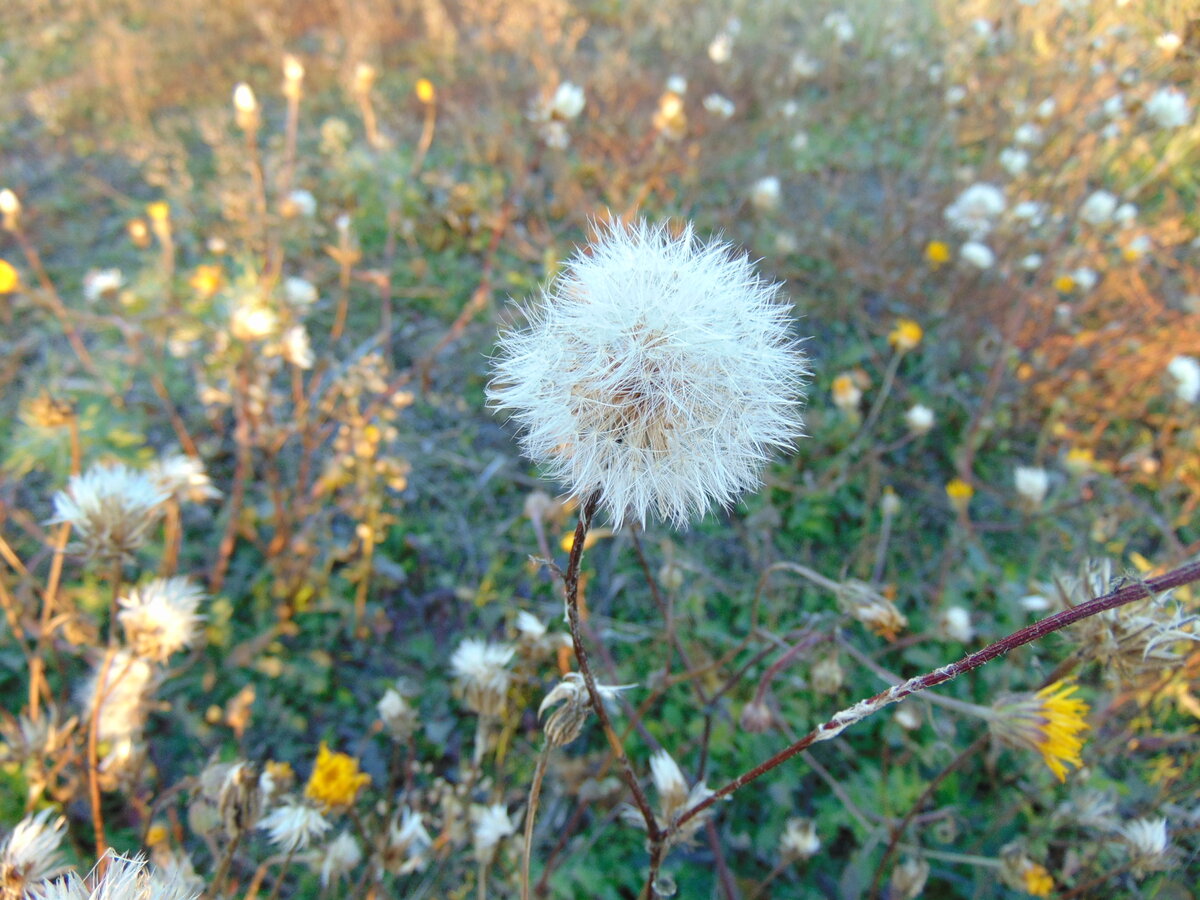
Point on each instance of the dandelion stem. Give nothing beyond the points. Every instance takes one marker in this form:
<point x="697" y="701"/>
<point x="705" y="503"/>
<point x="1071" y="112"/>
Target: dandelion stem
<point x="841" y="721"/>
<point x="571" y="582"/>
<point x="535" y="791"/>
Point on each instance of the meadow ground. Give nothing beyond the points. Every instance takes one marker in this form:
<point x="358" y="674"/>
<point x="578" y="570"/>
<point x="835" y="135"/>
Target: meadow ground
<point x="284" y="598"/>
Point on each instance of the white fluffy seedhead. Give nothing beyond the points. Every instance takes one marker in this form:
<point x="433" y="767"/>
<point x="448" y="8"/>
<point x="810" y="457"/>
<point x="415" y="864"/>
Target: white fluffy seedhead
<point x="658" y="370"/>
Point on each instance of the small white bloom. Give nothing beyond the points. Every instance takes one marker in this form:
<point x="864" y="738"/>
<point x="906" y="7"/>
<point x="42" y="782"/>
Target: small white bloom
<point x="31" y="852"/>
<point x="658" y="370"/>
<point x="1186" y="372"/>
<point x="99" y="283"/>
<point x="296" y="348"/>
<point x="766" y="193"/>
<point x="955" y="623"/>
<point x="799" y="840"/>
<point x="397" y="715"/>
<point x="1031" y="262"/>
<point x="1168" y="42"/>
<point x="1148" y="844"/>
<point x="955" y="94"/>
<point x="125" y="696"/>
<point x="975" y="210"/>
<point x="719" y="105"/>
<point x="160" y="617"/>
<point x="677" y="84"/>
<point x="1085" y="278"/>
<point x="408" y="843"/>
<point x="299" y="293"/>
<point x="1125" y="215"/>
<point x="978" y="254"/>
<point x="1169" y="108"/>
<point x="302" y="202"/>
<point x="568" y="102"/>
<point x="1014" y="160"/>
<point x="1032" y="483"/>
<point x="721" y="48"/>
<point x="529" y="626"/>
<point x="492" y="825"/>
<point x="251" y="320"/>
<point x="481" y="671"/>
<point x="919" y="419"/>
<point x="244" y="100"/>
<point x="110" y="509"/>
<point x="339" y="859"/>
<point x="804" y="66"/>
<point x="291" y="826"/>
<point x="1047" y="108"/>
<point x="1114" y="106"/>
<point x="1028" y="134"/>
<point x="183" y="477"/>
<point x="1098" y="208"/>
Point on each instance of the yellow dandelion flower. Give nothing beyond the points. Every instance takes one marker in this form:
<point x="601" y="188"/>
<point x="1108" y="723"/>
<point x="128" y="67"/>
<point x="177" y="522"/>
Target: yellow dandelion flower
<point x="335" y="779"/>
<point x="157" y="834"/>
<point x="906" y="335"/>
<point x="1049" y="722"/>
<point x="1064" y="284"/>
<point x="1038" y="881"/>
<point x="425" y="90"/>
<point x="206" y="280"/>
<point x="9" y="279"/>
<point x="158" y="212"/>
<point x="846" y="393"/>
<point x="593" y="536"/>
<point x="959" y="492"/>
<point x="1080" y="460"/>
<point x="937" y="254"/>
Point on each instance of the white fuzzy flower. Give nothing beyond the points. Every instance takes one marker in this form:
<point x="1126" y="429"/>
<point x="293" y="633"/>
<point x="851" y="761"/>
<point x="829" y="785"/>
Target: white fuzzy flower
<point x="1014" y="160"/>
<point x="182" y="477"/>
<point x="657" y="370"/>
<point x="1027" y="134"/>
<point x="765" y="194"/>
<point x="296" y="348"/>
<point x="252" y="321"/>
<point x="160" y="618"/>
<point x="919" y="419"/>
<point x="1085" y="278"/>
<point x="1031" y="212"/>
<point x="124" y="879"/>
<point x="1125" y="214"/>
<point x="31" y="852"/>
<point x="1098" y="208"/>
<point x="799" y="840"/>
<point x="721" y="48"/>
<point x="677" y="84"/>
<point x="978" y="255"/>
<point x="1047" y="108"/>
<point x="1168" y="42"/>
<point x="719" y="105"/>
<point x="302" y="202"/>
<point x="292" y="826"/>
<point x="492" y="825"/>
<point x="1169" y="108"/>
<point x="299" y="293"/>
<point x="1148" y="843"/>
<point x="955" y="623"/>
<point x="339" y="859"/>
<point x="125" y="696"/>
<point x="110" y="509"/>
<point x="100" y="283"/>
<point x="1032" y="483"/>
<point x="408" y="844"/>
<point x="568" y="101"/>
<point x="1031" y="262"/>
<point x="975" y="210"/>
<point x="397" y="714"/>
<point x="481" y="670"/>
<point x="1186" y="372"/>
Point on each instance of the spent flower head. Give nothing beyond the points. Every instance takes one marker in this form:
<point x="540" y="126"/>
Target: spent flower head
<point x="658" y="370"/>
<point x="31" y="853"/>
<point x="565" y="723"/>
<point x="183" y="477"/>
<point x="291" y="826"/>
<point x="482" y="675"/>
<point x="160" y="617"/>
<point x="110" y="508"/>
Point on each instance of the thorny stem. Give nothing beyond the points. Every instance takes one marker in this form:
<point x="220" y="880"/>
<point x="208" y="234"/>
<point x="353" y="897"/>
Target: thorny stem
<point x="841" y="721"/>
<point x="535" y="791"/>
<point x="571" y="587"/>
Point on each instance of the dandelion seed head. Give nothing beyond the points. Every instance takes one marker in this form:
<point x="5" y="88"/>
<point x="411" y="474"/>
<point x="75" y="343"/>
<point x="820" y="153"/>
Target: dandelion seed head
<point x="658" y="370"/>
<point x="110" y="509"/>
<point x="160" y="617"/>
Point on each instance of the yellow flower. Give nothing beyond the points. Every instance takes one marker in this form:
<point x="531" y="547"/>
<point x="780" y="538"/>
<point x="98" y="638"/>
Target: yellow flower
<point x="158" y="212"/>
<point x="906" y="335"/>
<point x="206" y="280"/>
<point x="1080" y="460"/>
<point x="157" y="834"/>
<point x="959" y="492"/>
<point x="937" y="254"/>
<point x="593" y="536"/>
<point x="1038" y="881"/>
<point x="425" y="91"/>
<point x="9" y="279"/>
<point x="1049" y="722"/>
<point x="846" y="393"/>
<point x="335" y="779"/>
<point x="1064" y="284"/>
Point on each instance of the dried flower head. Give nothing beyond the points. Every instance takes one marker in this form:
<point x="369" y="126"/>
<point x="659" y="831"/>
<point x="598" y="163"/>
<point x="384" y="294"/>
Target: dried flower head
<point x="799" y="840"/>
<point x="126" y="878"/>
<point x="160" y="618"/>
<point x="338" y="859"/>
<point x="31" y="853"/>
<point x="482" y="675"/>
<point x="491" y="825"/>
<point x="862" y="602"/>
<point x="110" y="508"/>
<point x="1148" y="844"/>
<point x="908" y="878"/>
<point x="408" y="844"/>
<point x="1049" y="722"/>
<point x="397" y="714"/>
<point x="1032" y="483"/>
<point x="657" y="370"/>
<point x="565" y="723"/>
<point x="975" y="210"/>
<point x="124" y="695"/>
<point x="675" y="798"/>
<point x="292" y="826"/>
<point x="335" y="780"/>
<point x="183" y="477"/>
